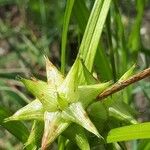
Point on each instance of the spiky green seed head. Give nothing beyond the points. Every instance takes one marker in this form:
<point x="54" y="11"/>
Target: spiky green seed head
<point x="60" y="101"/>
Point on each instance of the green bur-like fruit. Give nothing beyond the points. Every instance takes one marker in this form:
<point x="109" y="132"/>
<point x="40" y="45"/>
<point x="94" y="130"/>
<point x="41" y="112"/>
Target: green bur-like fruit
<point x="60" y="102"/>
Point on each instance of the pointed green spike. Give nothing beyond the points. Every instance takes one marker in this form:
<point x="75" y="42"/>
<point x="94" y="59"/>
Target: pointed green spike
<point x="76" y="113"/>
<point x="88" y="77"/>
<point x="33" y="110"/>
<point x="54" y="77"/>
<point x="127" y="74"/>
<point x="44" y="92"/>
<point x="88" y="93"/>
<point x="34" y="139"/>
<point x="54" y="126"/>
<point x="69" y="88"/>
<point x="77" y="134"/>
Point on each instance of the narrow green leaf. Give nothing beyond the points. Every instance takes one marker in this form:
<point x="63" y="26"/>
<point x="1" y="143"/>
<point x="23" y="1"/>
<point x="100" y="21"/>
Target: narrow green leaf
<point x="89" y="31"/>
<point x="17" y="128"/>
<point x="127" y="74"/>
<point x="76" y="134"/>
<point x="120" y="38"/>
<point x="110" y="45"/>
<point x="76" y="113"/>
<point x="34" y="139"/>
<point x="122" y="111"/>
<point x="22" y="99"/>
<point x="101" y="61"/>
<point x="93" y="32"/>
<point x="33" y="110"/>
<point x="82" y="15"/>
<point x="119" y="109"/>
<point x="67" y="15"/>
<point x="61" y="142"/>
<point x="102" y="65"/>
<point x="134" y="41"/>
<point x="126" y="133"/>
<point x="54" y="126"/>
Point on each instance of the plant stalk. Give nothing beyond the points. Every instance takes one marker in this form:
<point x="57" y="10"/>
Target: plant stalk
<point x="121" y="85"/>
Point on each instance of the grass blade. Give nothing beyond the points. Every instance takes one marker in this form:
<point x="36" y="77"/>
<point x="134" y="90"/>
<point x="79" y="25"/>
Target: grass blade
<point x="134" y="42"/>
<point x="34" y="139"/>
<point x="82" y="15"/>
<point x="16" y="128"/>
<point x="23" y="100"/>
<point x="93" y="32"/>
<point x="76" y="134"/>
<point x="67" y="15"/>
<point x="126" y="133"/>
<point x="101" y="61"/>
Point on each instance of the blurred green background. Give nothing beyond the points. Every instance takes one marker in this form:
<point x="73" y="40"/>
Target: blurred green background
<point x="30" y="29"/>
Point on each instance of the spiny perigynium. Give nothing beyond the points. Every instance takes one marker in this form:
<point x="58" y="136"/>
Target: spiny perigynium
<point x="60" y="101"/>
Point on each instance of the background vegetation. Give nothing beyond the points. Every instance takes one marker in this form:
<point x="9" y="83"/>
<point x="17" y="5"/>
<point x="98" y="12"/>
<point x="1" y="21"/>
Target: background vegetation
<point x="30" y="29"/>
